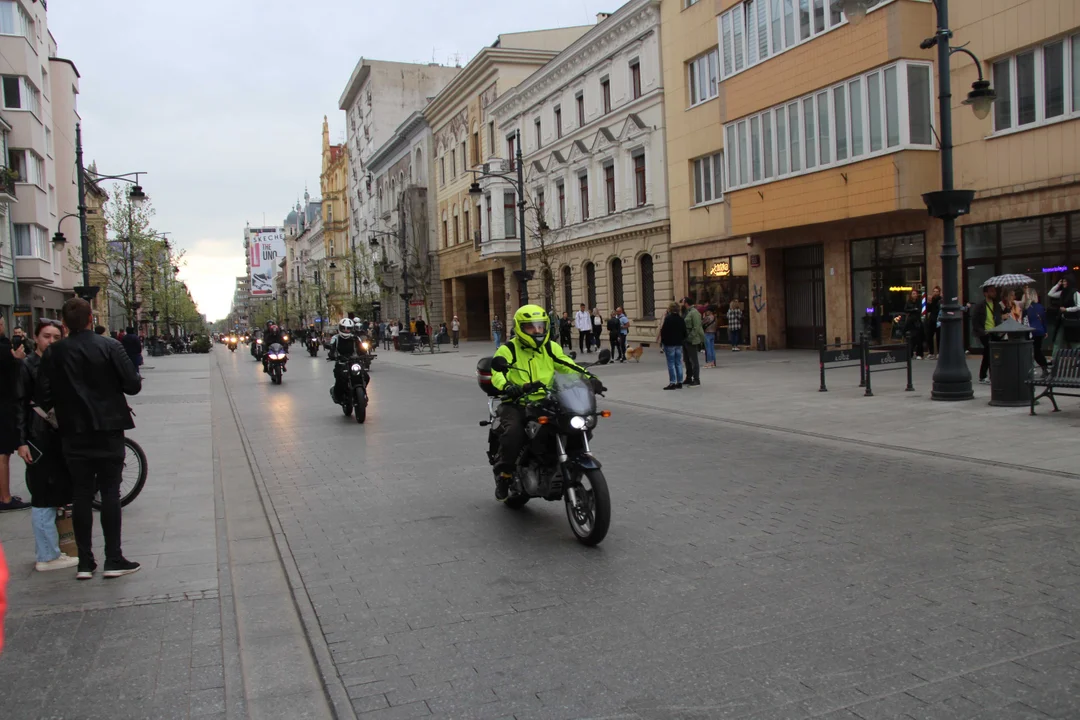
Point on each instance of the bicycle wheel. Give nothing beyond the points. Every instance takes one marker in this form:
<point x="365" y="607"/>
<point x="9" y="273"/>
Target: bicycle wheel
<point x="133" y="476"/>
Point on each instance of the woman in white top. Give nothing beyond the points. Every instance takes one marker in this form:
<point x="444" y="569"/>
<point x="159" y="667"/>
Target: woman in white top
<point x="597" y="327"/>
<point x="1065" y="297"/>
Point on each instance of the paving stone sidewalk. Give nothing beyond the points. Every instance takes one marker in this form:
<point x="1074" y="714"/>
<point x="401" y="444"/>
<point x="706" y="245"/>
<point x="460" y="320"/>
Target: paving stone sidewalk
<point x="779" y="389"/>
<point x="148" y="645"/>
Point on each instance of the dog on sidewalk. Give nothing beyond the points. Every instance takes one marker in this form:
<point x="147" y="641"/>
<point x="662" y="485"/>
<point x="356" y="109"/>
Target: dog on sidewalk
<point x="636" y="353"/>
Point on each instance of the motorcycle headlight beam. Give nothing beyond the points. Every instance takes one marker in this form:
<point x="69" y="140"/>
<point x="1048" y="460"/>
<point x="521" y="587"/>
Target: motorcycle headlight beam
<point x="355" y="367"/>
<point x="577" y="422"/>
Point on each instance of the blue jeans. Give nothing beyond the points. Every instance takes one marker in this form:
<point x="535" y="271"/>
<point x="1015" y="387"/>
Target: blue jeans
<point x="736" y="337"/>
<point x="710" y="348"/>
<point x="498" y="340"/>
<point x="46" y="539"/>
<point x="673" y="353"/>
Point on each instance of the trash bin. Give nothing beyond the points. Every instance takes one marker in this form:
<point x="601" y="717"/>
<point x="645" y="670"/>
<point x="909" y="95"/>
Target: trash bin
<point x="405" y="341"/>
<point x="761" y="343"/>
<point x="1010" y="364"/>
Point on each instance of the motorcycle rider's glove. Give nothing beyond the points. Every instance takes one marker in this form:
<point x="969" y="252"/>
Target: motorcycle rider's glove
<point x="512" y="391"/>
<point x="532" y="387"/>
<point x="597" y="386"/>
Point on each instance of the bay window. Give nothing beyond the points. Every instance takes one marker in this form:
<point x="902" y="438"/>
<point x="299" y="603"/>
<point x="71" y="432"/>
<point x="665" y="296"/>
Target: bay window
<point x="15" y="21"/>
<point x="510" y="214"/>
<point x="755" y="30"/>
<point x="30" y="241"/>
<point x="833" y="126"/>
<point x="20" y="94"/>
<point x="1038" y="85"/>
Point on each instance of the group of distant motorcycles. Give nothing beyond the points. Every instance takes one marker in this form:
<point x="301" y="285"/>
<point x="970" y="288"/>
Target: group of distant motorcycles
<point x="351" y="396"/>
<point x="556" y="463"/>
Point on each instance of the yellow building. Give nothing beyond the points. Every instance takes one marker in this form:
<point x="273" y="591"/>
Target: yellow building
<point x="465" y="135"/>
<point x="96" y="228"/>
<point x="823" y="135"/>
<point x="333" y="183"/>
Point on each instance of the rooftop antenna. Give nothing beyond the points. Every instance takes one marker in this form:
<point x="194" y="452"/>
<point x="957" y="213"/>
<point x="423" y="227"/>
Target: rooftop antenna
<point x="456" y="58"/>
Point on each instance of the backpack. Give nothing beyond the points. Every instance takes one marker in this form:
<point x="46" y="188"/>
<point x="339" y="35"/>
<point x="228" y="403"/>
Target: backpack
<point x="613" y="325"/>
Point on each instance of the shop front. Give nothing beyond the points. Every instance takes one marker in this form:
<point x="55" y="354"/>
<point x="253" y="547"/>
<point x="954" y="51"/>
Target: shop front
<point x="1043" y="248"/>
<point x="716" y="282"/>
<point x="884" y="271"/>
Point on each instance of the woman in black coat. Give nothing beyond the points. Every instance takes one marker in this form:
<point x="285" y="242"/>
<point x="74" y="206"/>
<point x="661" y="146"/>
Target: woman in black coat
<point x="46" y="474"/>
<point x="671" y="337"/>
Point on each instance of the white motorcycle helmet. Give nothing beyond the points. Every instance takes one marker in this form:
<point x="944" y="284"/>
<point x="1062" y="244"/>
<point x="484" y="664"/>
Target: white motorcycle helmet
<point x="345" y="327"/>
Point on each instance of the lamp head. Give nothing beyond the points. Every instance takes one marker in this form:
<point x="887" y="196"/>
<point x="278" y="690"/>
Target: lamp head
<point x="981" y="98"/>
<point x="474" y="189"/>
<point x="58" y="240"/>
<point x="137" y="196"/>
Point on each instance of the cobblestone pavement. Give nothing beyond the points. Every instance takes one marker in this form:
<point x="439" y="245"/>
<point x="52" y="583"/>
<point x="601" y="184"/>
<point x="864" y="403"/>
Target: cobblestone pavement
<point x="148" y="645"/>
<point x="747" y="574"/>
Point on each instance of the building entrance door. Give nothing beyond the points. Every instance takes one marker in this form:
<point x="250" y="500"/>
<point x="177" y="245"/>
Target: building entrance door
<point x="804" y="295"/>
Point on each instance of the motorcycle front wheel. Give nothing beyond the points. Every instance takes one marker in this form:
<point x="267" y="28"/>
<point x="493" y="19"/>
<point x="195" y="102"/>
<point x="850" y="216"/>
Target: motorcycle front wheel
<point x="275" y="374"/>
<point x="361" y="405"/>
<point x="591" y="516"/>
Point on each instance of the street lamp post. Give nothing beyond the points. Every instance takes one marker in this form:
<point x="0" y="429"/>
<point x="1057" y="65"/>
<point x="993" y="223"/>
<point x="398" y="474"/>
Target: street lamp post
<point x="519" y="186"/>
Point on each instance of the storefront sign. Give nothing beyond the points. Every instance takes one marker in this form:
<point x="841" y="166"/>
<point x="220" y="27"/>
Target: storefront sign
<point x="755" y="261"/>
<point x="720" y="268"/>
<point x="22" y="311"/>
<point x="1056" y="269"/>
<point x="901" y="288"/>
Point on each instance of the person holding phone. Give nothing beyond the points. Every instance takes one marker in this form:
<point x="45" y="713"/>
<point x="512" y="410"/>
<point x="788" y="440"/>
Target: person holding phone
<point x="39" y="447"/>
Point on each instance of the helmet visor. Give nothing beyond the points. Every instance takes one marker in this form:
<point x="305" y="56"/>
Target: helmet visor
<point x="535" y="329"/>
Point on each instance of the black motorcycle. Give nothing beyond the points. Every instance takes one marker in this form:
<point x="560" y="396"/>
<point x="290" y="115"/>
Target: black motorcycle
<point x="276" y="357"/>
<point x="313" y="346"/>
<point x="232" y="343"/>
<point x="353" y="396"/>
<point x="258" y="349"/>
<point x="556" y="463"/>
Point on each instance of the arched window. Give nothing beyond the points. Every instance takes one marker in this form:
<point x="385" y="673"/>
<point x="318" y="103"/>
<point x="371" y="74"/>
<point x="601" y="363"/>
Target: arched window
<point x="648" y="294"/>
<point x="418" y="171"/>
<point x="590" y="285"/>
<point x="616" y="283"/>
<point x="568" y="290"/>
<point x="549" y="290"/>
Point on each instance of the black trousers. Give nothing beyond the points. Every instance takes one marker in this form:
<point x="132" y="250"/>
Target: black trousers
<point x="984" y="366"/>
<point x="96" y="463"/>
<point x="1040" y="357"/>
<point x="622" y="346"/>
<point x="692" y="362"/>
<point x="596" y="336"/>
<point x="512" y="427"/>
<point x="584" y="339"/>
<point x="613" y="340"/>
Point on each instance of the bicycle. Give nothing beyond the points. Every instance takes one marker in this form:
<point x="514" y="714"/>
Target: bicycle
<point x="133" y="477"/>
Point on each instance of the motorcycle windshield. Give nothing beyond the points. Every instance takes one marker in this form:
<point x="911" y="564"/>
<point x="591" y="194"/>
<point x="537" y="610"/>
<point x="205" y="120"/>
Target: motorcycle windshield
<point x="574" y="395"/>
<point x="275" y="348"/>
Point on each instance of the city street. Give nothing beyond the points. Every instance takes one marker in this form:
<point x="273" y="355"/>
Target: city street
<point x="749" y="572"/>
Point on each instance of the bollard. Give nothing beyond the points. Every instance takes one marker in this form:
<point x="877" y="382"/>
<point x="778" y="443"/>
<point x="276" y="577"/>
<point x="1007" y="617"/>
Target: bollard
<point x="866" y="364"/>
<point x="910" y="387"/>
<point x="862" y="361"/>
<point x="821" y="362"/>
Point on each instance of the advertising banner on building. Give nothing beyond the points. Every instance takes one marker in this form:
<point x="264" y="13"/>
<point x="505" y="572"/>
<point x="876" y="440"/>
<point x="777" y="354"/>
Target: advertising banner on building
<point x="267" y="248"/>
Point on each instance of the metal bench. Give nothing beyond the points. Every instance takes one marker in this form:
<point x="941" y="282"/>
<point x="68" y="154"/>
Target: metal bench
<point x="1064" y="373"/>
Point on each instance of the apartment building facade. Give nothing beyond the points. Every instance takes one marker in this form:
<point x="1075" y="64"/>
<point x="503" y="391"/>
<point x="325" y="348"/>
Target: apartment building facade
<point x="478" y="287"/>
<point x="38" y="101"/>
<point x="591" y="123"/>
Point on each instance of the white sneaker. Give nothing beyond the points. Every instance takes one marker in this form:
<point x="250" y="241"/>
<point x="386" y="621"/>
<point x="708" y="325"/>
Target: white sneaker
<point x="61" y="563"/>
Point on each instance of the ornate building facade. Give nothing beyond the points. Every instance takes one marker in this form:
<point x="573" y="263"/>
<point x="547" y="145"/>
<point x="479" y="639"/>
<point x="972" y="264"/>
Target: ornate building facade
<point x="334" y="183"/>
<point x="591" y="124"/>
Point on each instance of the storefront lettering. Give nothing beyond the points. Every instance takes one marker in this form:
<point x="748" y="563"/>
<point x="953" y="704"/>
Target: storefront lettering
<point x="720" y="269"/>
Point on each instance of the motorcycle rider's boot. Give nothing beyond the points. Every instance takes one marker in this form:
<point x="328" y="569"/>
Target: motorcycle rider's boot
<point x="502" y="486"/>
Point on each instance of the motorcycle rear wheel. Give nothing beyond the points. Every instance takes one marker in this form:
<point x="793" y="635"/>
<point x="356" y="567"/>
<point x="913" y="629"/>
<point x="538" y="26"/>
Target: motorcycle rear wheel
<point x="590" y="520"/>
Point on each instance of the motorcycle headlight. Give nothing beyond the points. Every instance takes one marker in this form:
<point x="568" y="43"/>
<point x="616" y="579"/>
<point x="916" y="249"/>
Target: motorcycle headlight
<point x="365" y="345"/>
<point x="258" y="342"/>
<point x="577" y="422"/>
<point x="284" y="338"/>
<point x="355" y="367"/>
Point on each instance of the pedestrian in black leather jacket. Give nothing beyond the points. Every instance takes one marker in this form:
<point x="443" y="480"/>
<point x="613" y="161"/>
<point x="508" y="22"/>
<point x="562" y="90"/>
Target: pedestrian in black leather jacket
<point x="84" y="378"/>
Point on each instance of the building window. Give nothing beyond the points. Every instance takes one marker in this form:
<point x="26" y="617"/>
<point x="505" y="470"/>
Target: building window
<point x="487" y="199"/>
<point x="453" y="163"/>
<point x="509" y="215"/>
<point x="446" y="233"/>
<point x="640" y="197"/>
<point x="475" y="149"/>
<point x="568" y="290"/>
<point x="583" y="195"/>
<point x="704" y="83"/>
<point x="605" y="94"/>
<point x="709" y="179"/>
<point x="635" y="79"/>
<point x="558" y="121"/>
<point x="28" y="165"/>
<point x="590" y="284"/>
<point x="884" y="271"/>
<point x="541" y="211"/>
<point x="510" y="154"/>
<point x="20" y="94"/>
<point x="457" y="230"/>
<point x="580" y="99"/>
<point x="539" y="139"/>
<point x="465" y="223"/>
<point x="616" y="283"/>
<point x="834" y="126"/>
<point x="30" y="241"/>
<point x="464" y="155"/>
<point x="560" y="187"/>
<point x="1038" y="86"/>
<point x="442" y="170"/>
<point x="648" y="290"/>
<point x="688" y="3"/>
<point x="48" y="141"/>
<point x="609" y="186"/>
<point x="755" y="30"/>
<point x="717" y="281"/>
<point x="15" y="21"/>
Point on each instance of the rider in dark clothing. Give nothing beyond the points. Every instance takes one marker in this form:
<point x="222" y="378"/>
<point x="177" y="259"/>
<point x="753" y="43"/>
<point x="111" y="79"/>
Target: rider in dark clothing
<point x="344" y="346"/>
<point x="272" y="335"/>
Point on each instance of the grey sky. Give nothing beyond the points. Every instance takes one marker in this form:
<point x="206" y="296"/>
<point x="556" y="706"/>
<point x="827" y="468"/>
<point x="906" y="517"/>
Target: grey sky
<point x="221" y="101"/>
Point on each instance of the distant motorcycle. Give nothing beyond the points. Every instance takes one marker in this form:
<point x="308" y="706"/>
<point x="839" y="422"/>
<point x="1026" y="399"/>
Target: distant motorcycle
<point x="313" y="346"/>
<point x="353" y="396"/>
<point x="232" y="342"/>
<point x="276" y="357"/>
<point x="368" y="356"/>
<point x="257" y="349"/>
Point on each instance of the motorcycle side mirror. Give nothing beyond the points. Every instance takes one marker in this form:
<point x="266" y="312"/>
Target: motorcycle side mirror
<point x="499" y="364"/>
<point x="604" y="358"/>
<point x="573" y="356"/>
